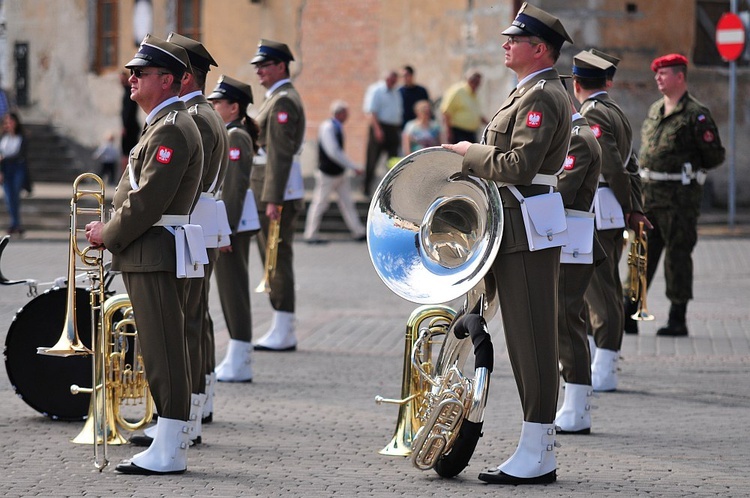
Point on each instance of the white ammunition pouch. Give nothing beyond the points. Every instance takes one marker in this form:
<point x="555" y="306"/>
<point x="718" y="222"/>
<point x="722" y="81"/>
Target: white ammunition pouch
<point x="608" y="211"/>
<point x="544" y="219"/>
<point x="580" y="246"/>
<point x="249" y="219"/>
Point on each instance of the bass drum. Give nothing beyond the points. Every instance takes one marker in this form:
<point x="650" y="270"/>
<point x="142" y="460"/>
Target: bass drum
<point x="42" y="381"/>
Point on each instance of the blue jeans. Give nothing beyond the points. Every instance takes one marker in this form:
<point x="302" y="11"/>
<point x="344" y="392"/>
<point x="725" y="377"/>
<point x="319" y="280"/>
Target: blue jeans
<point x="14" y="174"/>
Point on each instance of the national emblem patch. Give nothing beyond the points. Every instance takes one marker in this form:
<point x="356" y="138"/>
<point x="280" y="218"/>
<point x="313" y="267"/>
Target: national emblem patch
<point x="597" y="130"/>
<point x="164" y="154"/>
<point x="570" y="163"/>
<point x="708" y="136"/>
<point x="534" y="119"/>
<point x="282" y="117"/>
<point x="234" y="154"/>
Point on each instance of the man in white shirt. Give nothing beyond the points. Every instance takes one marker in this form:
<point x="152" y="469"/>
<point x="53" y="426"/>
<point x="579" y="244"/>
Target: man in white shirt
<point x="331" y="176"/>
<point x="384" y="109"/>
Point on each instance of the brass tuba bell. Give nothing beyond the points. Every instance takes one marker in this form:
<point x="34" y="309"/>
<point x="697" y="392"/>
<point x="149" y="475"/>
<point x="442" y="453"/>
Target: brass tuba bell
<point x="433" y="234"/>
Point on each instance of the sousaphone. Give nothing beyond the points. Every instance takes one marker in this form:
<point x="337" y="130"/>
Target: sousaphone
<point x="433" y="233"/>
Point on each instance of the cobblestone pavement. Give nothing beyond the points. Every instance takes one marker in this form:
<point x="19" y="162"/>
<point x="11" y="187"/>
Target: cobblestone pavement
<point x="308" y="426"/>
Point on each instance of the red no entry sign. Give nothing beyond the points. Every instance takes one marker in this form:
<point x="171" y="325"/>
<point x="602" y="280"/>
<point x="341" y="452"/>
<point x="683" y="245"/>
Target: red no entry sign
<point x="730" y="36"/>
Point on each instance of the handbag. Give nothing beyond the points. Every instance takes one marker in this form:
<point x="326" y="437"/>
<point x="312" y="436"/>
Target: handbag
<point x="204" y="214"/>
<point x="608" y="211"/>
<point x="249" y="219"/>
<point x="223" y="221"/>
<point x="544" y="219"/>
<point x="580" y="246"/>
<point x="190" y="250"/>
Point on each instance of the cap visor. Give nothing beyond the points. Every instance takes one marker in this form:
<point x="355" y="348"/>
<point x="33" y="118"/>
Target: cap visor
<point x="258" y="59"/>
<point x="516" y="31"/>
<point x="137" y="62"/>
<point x="216" y="96"/>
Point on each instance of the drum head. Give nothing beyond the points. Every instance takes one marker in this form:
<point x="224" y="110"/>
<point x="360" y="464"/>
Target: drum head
<point x="43" y="382"/>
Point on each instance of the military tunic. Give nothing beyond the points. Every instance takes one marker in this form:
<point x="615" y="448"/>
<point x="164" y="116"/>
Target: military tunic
<point x="528" y="135"/>
<point x="232" y="275"/>
<point x="604" y="295"/>
<point x="577" y="184"/>
<point x="687" y="135"/>
<point x="281" y="120"/>
<point x="167" y="164"/>
<point x="198" y="323"/>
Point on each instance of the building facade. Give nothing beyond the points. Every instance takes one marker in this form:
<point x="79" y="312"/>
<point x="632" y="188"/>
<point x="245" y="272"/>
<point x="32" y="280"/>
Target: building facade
<point x="61" y="60"/>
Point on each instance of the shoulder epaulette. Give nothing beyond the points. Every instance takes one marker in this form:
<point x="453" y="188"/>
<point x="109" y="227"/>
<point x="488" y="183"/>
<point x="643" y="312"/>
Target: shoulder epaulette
<point x="193" y="109"/>
<point x="171" y="118"/>
<point x="575" y="130"/>
<point x="540" y="85"/>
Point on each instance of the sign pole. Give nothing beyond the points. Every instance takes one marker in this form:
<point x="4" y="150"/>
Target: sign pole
<point x="730" y="42"/>
<point x="731" y="186"/>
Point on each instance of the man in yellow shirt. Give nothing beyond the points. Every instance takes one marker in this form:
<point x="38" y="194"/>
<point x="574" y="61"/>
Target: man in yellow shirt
<point x="462" y="114"/>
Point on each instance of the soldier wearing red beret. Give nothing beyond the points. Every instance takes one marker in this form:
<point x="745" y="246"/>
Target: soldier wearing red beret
<point x="679" y="142"/>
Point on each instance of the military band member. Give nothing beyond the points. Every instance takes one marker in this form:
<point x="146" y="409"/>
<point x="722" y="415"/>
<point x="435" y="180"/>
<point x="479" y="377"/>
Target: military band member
<point x="614" y="134"/>
<point x="157" y="192"/>
<point x="525" y="145"/>
<point x="276" y="180"/>
<point x="679" y="141"/>
<point x="231" y="98"/>
<point x="577" y="184"/>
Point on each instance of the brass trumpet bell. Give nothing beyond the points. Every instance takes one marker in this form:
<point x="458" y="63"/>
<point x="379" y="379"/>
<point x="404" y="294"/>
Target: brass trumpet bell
<point x="433" y="232"/>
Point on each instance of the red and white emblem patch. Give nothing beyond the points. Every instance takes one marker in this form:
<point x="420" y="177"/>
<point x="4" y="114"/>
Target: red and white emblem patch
<point x="234" y="154"/>
<point x="570" y="162"/>
<point x="164" y="154"/>
<point x="534" y="119"/>
<point x="708" y="136"/>
<point x="282" y="117"/>
<point x="597" y="130"/>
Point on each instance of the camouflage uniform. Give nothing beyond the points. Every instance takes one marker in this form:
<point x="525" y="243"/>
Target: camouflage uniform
<point x="687" y="135"/>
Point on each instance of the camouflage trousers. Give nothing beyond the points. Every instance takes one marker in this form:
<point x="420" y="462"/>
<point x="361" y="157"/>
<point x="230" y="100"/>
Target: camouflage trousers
<point x="675" y="234"/>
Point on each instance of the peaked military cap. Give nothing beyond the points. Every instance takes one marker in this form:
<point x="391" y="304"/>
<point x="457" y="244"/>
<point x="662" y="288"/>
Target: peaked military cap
<point x="232" y="89"/>
<point x="197" y="53"/>
<point x="588" y="65"/>
<point x="533" y="21"/>
<point x="155" y="52"/>
<point x="607" y="57"/>
<point x="271" y="50"/>
<point x="669" y="60"/>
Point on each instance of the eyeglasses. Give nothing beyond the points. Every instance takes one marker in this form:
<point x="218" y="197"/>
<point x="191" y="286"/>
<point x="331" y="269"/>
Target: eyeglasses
<point x="512" y="40"/>
<point x="139" y="73"/>
<point x="265" y="65"/>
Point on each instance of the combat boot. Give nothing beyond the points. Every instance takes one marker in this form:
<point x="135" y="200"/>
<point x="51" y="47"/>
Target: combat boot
<point x="676" y="325"/>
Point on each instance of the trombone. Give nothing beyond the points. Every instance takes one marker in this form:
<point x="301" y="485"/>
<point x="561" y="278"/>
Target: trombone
<point x="272" y="251"/>
<point x="112" y="379"/>
<point x="637" y="275"/>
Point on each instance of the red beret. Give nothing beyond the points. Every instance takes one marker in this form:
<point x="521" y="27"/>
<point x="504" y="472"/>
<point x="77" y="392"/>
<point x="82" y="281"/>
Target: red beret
<point x="669" y="60"/>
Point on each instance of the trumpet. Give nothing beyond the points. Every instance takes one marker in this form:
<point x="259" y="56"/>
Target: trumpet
<point x="637" y="274"/>
<point x="112" y="378"/>
<point x="272" y="250"/>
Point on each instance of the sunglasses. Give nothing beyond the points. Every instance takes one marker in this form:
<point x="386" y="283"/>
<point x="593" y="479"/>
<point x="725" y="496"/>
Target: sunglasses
<point x="266" y="64"/>
<point x="140" y="73"/>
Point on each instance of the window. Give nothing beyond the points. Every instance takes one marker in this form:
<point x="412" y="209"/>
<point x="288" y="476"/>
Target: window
<point x="106" y="35"/>
<point x="189" y="19"/>
<point x="707" y="14"/>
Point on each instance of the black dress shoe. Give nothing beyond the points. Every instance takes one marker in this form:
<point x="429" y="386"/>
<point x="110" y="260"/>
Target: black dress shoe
<point x="497" y="476"/>
<point x="258" y="347"/>
<point x="208" y="418"/>
<point x="141" y="440"/>
<point x="558" y="430"/>
<point x="128" y="467"/>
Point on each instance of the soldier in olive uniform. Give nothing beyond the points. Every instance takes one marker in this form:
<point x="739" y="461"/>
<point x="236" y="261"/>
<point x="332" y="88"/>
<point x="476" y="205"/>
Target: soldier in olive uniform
<point x="276" y="180"/>
<point x="231" y="98"/>
<point x="157" y="192"/>
<point x="614" y="134"/>
<point x="198" y="324"/>
<point x="577" y="185"/>
<point x="525" y="145"/>
<point x="200" y="328"/>
<point x="679" y="142"/>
